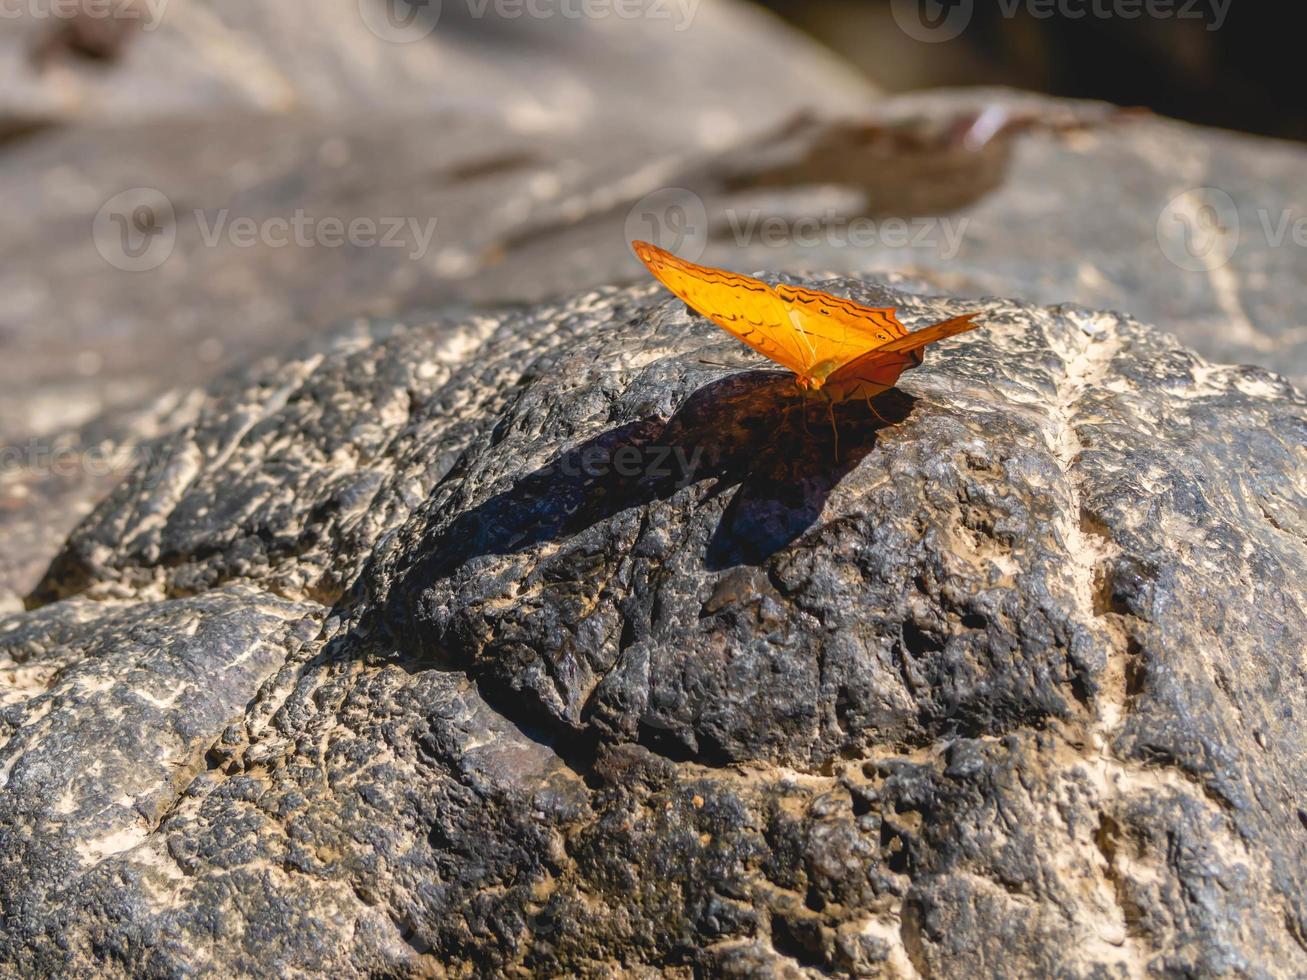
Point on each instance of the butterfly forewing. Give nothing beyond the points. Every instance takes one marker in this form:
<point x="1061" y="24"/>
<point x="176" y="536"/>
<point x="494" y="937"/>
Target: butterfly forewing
<point x="746" y="308"/>
<point x="838" y="330"/>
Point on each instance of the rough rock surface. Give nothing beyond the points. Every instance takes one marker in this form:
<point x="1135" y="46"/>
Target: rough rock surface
<point x="526" y="641"/>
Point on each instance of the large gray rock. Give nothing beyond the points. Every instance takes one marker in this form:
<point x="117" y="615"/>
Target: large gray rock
<point x="528" y="641"/>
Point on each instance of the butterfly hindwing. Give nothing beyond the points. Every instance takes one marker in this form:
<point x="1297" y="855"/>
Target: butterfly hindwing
<point x="934" y="333"/>
<point x="879" y="370"/>
<point x="870" y="375"/>
<point x="839" y="329"/>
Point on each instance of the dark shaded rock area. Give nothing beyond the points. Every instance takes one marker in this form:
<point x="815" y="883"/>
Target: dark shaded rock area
<point x="526" y="642"/>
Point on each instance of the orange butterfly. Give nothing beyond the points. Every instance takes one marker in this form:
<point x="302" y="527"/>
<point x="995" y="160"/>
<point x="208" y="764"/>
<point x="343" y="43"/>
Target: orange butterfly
<point x="833" y="345"/>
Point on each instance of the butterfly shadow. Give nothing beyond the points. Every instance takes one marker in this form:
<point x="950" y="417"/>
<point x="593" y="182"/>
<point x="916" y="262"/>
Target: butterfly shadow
<point x="752" y="433"/>
<point x="782" y="454"/>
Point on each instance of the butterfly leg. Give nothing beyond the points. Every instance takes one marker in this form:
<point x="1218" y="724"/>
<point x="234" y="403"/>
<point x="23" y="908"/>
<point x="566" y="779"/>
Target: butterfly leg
<point x="872" y="408"/>
<point x="801" y="403"/>
<point x="834" y="426"/>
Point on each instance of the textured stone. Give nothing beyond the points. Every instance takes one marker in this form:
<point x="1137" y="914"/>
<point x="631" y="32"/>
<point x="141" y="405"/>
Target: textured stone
<point x="1010" y="683"/>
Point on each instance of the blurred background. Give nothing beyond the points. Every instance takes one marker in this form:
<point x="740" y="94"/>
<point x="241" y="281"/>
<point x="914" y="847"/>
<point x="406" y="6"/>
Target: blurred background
<point x="190" y="185"/>
<point x="1213" y="63"/>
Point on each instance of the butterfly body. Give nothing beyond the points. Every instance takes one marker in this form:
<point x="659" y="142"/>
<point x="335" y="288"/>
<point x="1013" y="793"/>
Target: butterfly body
<point x="833" y="345"/>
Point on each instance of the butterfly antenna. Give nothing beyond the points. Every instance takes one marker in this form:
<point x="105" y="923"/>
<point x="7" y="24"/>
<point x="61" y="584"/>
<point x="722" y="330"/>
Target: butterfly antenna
<point x="720" y="364"/>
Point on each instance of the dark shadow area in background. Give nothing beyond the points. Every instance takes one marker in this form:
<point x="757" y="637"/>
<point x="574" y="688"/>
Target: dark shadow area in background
<point x="1243" y="74"/>
<point x="752" y="431"/>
